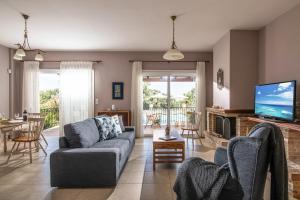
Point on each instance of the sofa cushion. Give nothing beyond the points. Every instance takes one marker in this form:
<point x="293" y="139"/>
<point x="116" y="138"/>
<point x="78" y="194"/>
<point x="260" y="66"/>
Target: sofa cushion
<point x="121" y="144"/>
<point x="72" y="139"/>
<point x="127" y="136"/>
<point x="82" y="134"/>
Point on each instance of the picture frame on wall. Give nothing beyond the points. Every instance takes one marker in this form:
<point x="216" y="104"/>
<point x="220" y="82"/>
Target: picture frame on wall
<point x="220" y="79"/>
<point x="117" y="90"/>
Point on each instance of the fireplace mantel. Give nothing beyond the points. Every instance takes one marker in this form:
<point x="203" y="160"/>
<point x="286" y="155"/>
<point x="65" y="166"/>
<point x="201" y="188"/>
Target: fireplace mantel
<point x="230" y="112"/>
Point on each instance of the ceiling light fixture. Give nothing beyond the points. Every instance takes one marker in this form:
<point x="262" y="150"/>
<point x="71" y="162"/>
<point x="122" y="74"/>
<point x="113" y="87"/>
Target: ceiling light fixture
<point x="39" y="56"/>
<point x="173" y="53"/>
<point x="17" y="57"/>
<point x="21" y="51"/>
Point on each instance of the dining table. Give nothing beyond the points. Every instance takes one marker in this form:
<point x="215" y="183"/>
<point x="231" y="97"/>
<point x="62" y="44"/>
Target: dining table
<point x="7" y="126"/>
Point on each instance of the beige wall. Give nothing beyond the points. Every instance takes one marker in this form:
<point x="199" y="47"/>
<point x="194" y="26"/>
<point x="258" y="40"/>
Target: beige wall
<point x="250" y="57"/>
<point x="237" y="54"/>
<point x="4" y="80"/>
<point x="243" y="68"/>
<point x="221" y="59"/>
<point x="116" y="67"/>
<point x="279" y="49"/>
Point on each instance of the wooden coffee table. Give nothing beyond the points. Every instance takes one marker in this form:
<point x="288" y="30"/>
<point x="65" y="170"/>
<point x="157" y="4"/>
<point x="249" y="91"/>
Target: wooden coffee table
<point x="172" y="151"/>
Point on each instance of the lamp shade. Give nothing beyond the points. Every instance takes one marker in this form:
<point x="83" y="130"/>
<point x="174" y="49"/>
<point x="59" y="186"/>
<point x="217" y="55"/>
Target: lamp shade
<point x="20" y="52"/>
<point x="39" y="57"/>
<point x="173" y="54"/>
<point x="16" y="57"/>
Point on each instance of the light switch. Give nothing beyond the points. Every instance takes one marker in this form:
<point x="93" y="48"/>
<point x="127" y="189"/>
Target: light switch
<point x="96" y="101"/>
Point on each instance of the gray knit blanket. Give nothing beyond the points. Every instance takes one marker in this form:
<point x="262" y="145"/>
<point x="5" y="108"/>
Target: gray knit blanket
<point x="278" y="162"/>
<point x="187" y="185"/>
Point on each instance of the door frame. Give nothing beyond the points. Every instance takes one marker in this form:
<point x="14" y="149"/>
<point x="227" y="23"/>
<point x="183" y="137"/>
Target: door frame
<point x="169" y="73"/>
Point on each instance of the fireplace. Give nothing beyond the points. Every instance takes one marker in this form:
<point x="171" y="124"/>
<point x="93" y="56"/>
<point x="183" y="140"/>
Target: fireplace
<point x="219" y="126"/>
<point x="225" y="126"/>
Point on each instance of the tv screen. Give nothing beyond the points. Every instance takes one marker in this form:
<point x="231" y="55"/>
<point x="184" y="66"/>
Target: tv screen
<point x="276" y="100"/>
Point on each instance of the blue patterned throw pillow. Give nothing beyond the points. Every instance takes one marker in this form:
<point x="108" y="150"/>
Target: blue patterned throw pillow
<point x="98" y="124"/>
<point x="108" y="127"/>
<point x="116" y="118"/>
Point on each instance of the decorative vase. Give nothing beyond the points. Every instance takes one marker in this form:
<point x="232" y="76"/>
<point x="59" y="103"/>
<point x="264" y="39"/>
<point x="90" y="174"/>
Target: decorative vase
<point x="167" y="131"/>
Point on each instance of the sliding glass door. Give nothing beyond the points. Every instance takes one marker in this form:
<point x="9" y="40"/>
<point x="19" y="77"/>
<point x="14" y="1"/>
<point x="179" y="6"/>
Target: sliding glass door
<point x="182" y="99"/>
<point x="167" y="99"/>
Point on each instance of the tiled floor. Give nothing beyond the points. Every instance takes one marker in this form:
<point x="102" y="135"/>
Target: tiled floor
<point x="158" y="184"/>
<point x="21" y="180"/>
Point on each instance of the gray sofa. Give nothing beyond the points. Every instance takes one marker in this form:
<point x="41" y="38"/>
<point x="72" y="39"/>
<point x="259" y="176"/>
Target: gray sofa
<point x="84" y="161"/>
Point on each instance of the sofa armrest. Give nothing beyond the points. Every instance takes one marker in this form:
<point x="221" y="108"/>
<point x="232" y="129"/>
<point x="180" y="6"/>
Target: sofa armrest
<point x="84" y="167"/>
<point x="129" y="128"/>
<point x="221" y="157"/>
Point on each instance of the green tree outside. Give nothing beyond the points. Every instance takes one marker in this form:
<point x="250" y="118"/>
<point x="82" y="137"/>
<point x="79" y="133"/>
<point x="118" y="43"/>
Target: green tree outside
<point x="49" y="100"/>
<point x="157" y="99"/>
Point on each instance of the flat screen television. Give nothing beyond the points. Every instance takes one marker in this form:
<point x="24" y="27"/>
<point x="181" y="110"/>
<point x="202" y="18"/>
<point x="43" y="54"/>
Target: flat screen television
<point x="276" y="100"/>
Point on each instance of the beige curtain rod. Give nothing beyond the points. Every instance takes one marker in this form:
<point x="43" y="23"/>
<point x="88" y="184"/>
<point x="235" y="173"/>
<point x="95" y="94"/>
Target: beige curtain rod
<point x="179" y="61"/>
<point x="57" y="61"/>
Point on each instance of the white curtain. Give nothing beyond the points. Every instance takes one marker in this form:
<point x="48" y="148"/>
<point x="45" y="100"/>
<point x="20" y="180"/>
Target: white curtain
<point x="76" y="93"/>
<point x="30" y="91"/>
<point x="137" y="98"/>
<point x="201" y="93"/>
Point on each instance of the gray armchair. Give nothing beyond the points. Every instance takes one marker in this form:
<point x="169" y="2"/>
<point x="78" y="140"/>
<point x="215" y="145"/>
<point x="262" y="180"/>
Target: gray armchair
<point x="249" y="158"/>
<point x="238" y="173"/>
<point x="248" y="162"/>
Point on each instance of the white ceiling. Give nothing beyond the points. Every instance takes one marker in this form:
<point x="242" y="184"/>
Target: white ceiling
<point x="132" y="25"/>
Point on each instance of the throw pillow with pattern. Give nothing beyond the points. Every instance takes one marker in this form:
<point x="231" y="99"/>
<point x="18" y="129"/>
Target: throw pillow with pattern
<point x="108" y="127"/>
<point x="118" y="124"/>
<point x="121" y="123"/>
<point x="102" y="135"/>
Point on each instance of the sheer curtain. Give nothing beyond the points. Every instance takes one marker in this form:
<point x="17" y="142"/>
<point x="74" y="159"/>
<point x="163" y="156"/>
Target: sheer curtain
<point x="30" y="92"/>
<point x="76" y="95"/>
<point x="137" y="98"/>
<point x="201" y="93"/>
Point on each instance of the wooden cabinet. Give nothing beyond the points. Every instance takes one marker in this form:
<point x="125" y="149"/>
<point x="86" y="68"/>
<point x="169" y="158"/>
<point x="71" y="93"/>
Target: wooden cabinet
<point x="126" y="115"/>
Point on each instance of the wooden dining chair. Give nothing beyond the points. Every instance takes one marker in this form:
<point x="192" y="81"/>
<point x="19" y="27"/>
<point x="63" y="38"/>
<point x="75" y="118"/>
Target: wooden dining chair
<point x="193" y="125"/>
<point x="37" y="115"/>
<point x="32" y="136"/>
